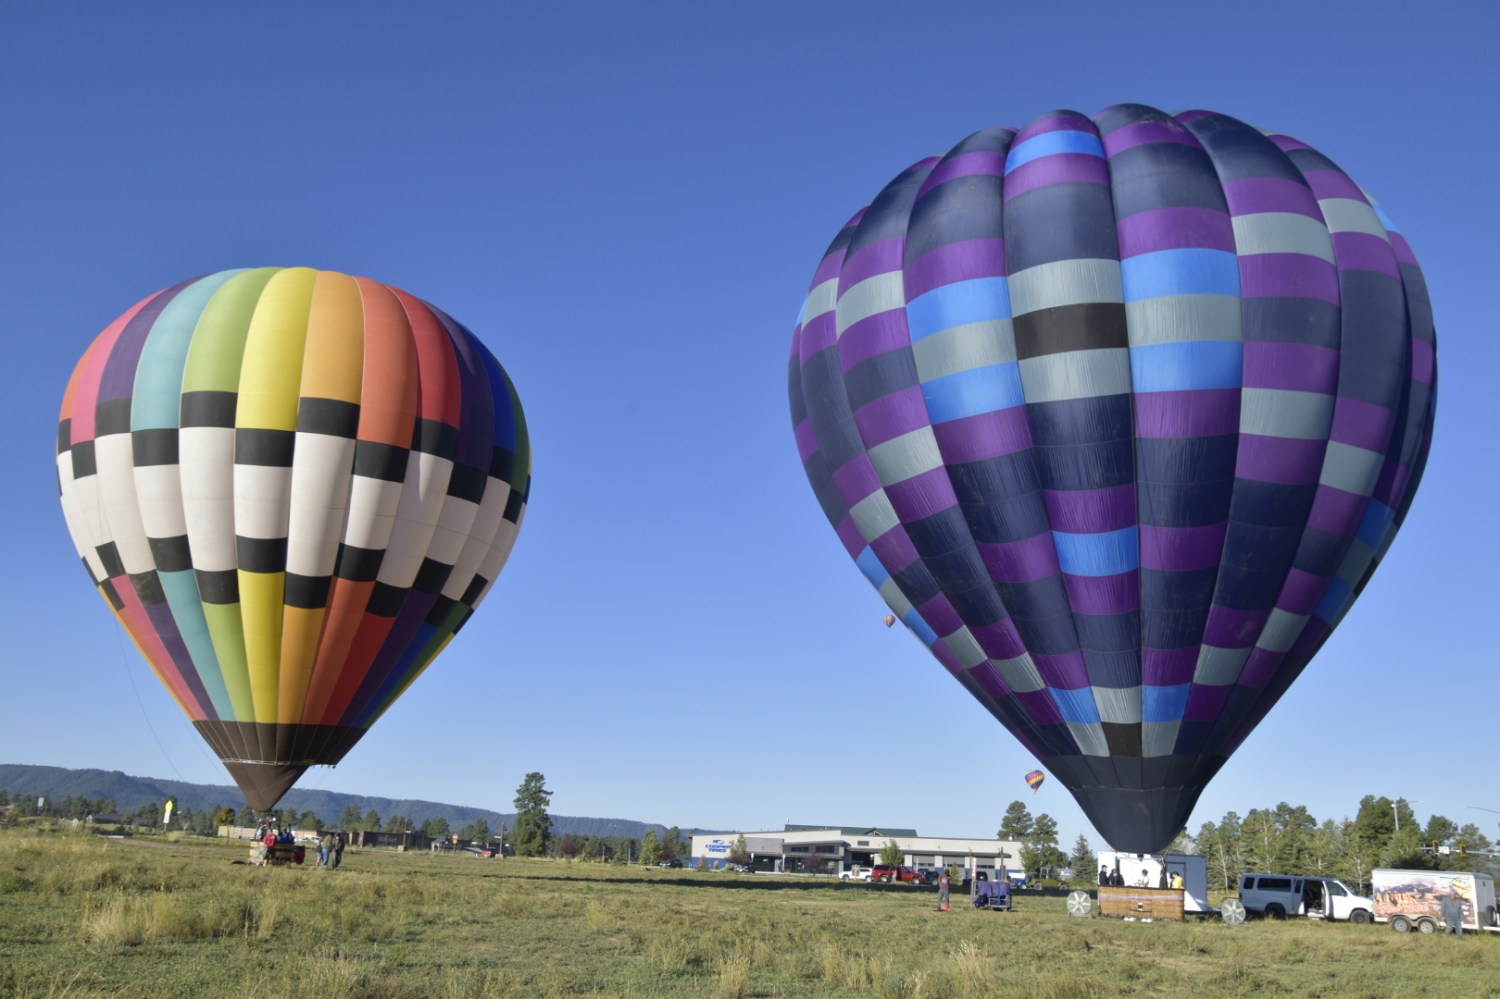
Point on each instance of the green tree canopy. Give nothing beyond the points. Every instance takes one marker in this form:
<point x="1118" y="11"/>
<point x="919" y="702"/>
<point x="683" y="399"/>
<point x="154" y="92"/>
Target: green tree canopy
<point x="650" y="848"/>
<point x="1082" y="859"/>
<point x="533" y="835"/>
<point x="891" y="853"/>
<point x="1017" y="823"/>
<point x="350" y="819"/>
<point x="739" y="853"/>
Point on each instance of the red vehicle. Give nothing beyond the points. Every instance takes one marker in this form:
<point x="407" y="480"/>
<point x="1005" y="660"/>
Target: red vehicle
<point x="886" y="873"/>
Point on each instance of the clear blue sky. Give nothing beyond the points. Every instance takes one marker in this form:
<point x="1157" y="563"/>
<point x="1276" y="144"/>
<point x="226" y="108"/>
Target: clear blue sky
<point x="627" y="202"/>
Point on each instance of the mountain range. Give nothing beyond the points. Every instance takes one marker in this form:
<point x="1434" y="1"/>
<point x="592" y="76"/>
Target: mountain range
<point x="23" y="781"/>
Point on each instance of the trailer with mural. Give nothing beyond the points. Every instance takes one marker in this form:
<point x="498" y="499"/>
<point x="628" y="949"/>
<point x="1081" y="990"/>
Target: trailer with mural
<point x="1412" y="900"/>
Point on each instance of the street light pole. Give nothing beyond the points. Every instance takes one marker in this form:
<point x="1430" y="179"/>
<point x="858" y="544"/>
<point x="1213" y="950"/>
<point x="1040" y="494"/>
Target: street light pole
<point x="1396" y="809"/>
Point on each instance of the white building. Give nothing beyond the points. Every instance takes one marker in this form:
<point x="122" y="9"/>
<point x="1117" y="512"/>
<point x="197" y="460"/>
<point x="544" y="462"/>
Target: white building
<point x="830" y="849"/>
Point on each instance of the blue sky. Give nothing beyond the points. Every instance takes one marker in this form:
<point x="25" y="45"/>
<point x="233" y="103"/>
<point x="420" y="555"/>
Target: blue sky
<point x="627" y="203"/>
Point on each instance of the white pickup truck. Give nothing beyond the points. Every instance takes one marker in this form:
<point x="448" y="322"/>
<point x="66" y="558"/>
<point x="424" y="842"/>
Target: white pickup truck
<point x="855" y="873"/>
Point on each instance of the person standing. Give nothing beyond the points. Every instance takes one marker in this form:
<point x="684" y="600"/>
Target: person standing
<point x="325" y="850"/>
<point x="1103" y="875"/>
<point x="338" y="849"/>
<point x="945" y="883"/>
<point x="1453" y="914"/>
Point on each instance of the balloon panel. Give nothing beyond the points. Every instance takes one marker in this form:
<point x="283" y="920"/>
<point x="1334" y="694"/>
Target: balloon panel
<point x="1118" y="416"/>
<point x="292" y="487"/>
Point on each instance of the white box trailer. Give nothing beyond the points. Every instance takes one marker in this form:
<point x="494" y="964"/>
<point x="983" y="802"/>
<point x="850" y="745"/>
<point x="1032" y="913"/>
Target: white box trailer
<point x="1135" y="867"/>
<point x="1412" y="900"/>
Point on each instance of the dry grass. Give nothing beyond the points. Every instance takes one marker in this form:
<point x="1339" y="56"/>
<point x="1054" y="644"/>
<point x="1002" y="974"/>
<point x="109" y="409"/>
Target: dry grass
<point x="86" y="918"/>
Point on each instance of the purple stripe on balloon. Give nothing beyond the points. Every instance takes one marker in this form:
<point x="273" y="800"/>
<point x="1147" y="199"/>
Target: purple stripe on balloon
<point x="1206" y="701"/>
<point x="118" y="378"/>
<point x="880" y="257"/>
<point x="1260" y="667"/>
<point x="982" y="162"/>
<point x="960" y="261"/>
<point x="1175" y="229"/>
<point x="1301" y="591"/>
<point x="1392" y="487"/>
<point x="1066" y="670"/>
<point x="1423" y="361"/>
<point x="895" y="550"/>
<point x="1336" y="512"/>
<point x="1333" y="184"/>
<point x="1181" y="549"/>
<point x="891" y="416"/>
<point x="818" y="335"/>
<point x="850" y="538"/>
<point x="1283" y="460"/>
<point x="1146" y="132"/>
<point x="1360" y="251"/>
<point x="1066" y="121"/>
<point x="856" y="479"/>
<point x="1362" y="424"/>
<point x="1060" y="168"/>
<point x="923" y="495"/>
<point x="1023" y="561"/>
<point x="990" y="681"/>
<point x="165" y="626"/>
<point x="1293" y="275"/>
<point x="945" y="655"/>
<point x="1195" y="114"/>
<point x="1294" y="367"/>
<point x="828" y="268"/>
<point x="1402" y="249"/>
<point x="941" y="616"/>
<point x="999" y="639"/>
<point x="1286" y="143"/>
<point x="1091" y="511"/>
<point x="1230" y="628"/>
<point x="987" y="435"/>
<point x="1190" y="413"/>
<point x="1168" y="667"/>
<point x="1040" y="706"/>
<point x="807" y="441"/>
<point x="873" y="336"/>
<point x="1314" y="634"/>
<point x="1104" y="595"/>
<point x="1254" y="195"/>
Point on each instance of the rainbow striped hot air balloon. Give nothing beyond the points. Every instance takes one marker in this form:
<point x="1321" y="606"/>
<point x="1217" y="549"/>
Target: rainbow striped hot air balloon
<point x="1119" y="415"/>
<point x="292" y="487"/>
<point x="1034" y="780"/>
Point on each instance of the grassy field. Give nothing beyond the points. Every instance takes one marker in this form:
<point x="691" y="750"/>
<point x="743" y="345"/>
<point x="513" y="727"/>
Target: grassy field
<point x="83" y="916"/>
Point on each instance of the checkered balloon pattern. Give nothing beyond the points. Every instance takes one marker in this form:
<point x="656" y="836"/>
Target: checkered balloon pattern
<point x="1119" y="416"/>
<point x="292" y="487"/>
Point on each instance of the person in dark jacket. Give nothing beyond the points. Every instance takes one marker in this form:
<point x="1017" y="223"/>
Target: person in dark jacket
<point x="1103" y="875"/>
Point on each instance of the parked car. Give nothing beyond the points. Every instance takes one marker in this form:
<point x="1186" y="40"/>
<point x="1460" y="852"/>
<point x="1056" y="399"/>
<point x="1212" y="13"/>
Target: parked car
<point x="886" y="873"/>
<point x="856" y="874"/>
<point x="674" y="862"/>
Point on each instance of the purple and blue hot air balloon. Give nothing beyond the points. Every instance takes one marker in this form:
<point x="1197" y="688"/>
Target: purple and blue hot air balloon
<point x="1119" y="415"/>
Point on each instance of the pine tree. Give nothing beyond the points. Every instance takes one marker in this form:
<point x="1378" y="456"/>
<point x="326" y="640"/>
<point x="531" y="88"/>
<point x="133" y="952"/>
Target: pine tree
<point x="533" y="835"/>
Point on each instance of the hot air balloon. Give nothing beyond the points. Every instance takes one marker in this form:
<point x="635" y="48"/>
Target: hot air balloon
<point x="889" y="620"/>
<point x="1118" y="416"/>
<point x="1034" y="780"/>
<point x="292" y="487"/>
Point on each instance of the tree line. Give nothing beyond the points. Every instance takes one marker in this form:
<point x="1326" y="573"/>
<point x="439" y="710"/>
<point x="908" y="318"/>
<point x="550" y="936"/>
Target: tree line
<point x="1286" y="839"/>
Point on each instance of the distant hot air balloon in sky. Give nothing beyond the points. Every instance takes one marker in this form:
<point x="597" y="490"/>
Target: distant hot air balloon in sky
<point x="1034" y="780"/>
<point x="292" y="487"/>
<point x="1119" y="415"/>
<point x="889" y="620"/>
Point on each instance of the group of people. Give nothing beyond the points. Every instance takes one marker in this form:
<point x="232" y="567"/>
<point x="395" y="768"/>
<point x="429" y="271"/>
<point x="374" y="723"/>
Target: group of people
<point x="330" y="850"/>
<point x="1113" y="878"/>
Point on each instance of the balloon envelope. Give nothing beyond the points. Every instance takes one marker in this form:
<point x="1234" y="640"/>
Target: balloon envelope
<point x="1118" y="415"/>
<point x="292" y="487"/>
<point x="1034" y="780"/>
